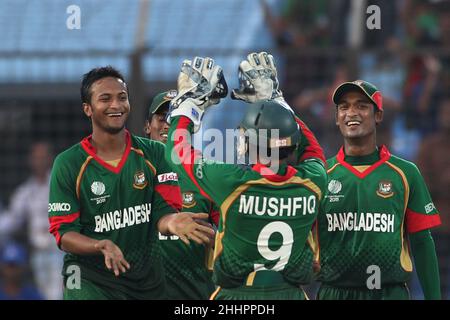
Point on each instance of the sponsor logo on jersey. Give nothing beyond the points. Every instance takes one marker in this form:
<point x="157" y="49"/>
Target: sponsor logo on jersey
<point x="126" y="217"/>
<point x="170" y="176"/>
<point x="272" y="206"/>
<point x="353" y="221"/>
<point x="385" y="189"/>
<point x="139" y="180"/>
<point x="58" y="206"/>
<point x="334" y="186"/>
<point x="188" y="199"/>
<point x="98" y="188"/>
<point x="429" y="207"/>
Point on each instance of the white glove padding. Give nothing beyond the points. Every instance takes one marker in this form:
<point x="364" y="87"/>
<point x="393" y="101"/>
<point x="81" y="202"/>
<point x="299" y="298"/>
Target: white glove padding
<point x="200" y="84"/>
<point x="257" y="79"/>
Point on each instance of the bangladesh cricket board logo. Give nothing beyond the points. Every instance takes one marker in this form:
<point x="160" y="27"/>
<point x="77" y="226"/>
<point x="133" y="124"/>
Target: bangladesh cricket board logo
<point x="139" y="180"/>
<point x="188" y="199"/>
<point x="385" y="189"/>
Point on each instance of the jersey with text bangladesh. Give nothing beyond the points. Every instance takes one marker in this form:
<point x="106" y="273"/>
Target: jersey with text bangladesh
<point x="265" y="217"/>
<point x="188" y="273"/>
<point x="122" y="203"/>
<point x="371" y="205"/>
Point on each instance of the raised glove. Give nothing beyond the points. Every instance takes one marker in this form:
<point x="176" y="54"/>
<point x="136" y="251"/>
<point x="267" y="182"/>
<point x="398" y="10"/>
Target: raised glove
<point x="200" y="84"/>
<point x="257" y="79"/>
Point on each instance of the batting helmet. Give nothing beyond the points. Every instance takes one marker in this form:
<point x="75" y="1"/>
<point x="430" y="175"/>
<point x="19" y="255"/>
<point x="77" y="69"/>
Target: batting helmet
<point x="269" y="124"/>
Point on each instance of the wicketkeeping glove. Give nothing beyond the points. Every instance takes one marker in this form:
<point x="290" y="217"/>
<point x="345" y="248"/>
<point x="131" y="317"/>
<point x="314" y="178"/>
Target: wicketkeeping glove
<point x="257" y="79"/>
<point x="200" y="84"/>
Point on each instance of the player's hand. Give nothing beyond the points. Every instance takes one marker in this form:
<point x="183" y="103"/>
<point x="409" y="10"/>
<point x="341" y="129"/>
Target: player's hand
<point x="200" y="84"/>
<point x="212" y="237"/>
<point x="114" y="259"/>
<point x="257" y="79"/>
<point x="187" y="226"/>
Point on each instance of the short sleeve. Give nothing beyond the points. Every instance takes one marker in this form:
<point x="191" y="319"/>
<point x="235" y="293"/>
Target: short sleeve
<point x="63" y="207"/>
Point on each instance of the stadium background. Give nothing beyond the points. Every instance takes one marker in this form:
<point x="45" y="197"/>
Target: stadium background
<point x="316" y="44"/>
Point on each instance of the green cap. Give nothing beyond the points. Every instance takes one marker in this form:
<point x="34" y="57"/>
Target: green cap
<point x="161" y="100"/>
<point x="366" y="88"/>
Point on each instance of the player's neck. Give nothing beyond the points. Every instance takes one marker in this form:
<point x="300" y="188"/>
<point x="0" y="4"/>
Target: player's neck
<point x="109" y="146"/>
<point x="359" y="147"/>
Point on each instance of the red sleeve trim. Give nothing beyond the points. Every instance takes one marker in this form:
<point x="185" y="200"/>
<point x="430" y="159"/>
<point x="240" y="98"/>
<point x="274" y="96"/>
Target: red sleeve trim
<point x="313" y="150"/>
<point x="171" y="195"/>
<point x="57" y="221"/>
<point x="215" y="217"/>
<point x="416" y="222"/>
<point x="186" y="152"/>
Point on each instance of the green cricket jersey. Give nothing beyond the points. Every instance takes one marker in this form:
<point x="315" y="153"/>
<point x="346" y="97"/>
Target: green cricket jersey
<point x="122" y="203"/>
<point x="186" y="266"/>
<point x="372" y="203"/>
<point x="265" y="217"/>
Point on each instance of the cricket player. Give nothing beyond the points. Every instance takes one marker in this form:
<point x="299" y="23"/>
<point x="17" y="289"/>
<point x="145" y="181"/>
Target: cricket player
<point x="377" y="211"/>
<point x="110" y="194"/>
<point x="188" y="269"/>
<point x="266" y="209"/>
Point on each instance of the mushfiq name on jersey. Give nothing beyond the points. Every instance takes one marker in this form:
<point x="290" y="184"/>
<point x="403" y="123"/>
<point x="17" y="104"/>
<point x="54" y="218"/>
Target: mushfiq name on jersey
<point x="123" y="218"/>
<point x="277" y="206"/>
<point x="353" y="221"/>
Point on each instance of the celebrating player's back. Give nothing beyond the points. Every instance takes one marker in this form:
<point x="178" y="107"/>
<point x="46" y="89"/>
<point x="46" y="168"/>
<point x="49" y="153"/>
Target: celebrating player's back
<point x="266" y="209"/>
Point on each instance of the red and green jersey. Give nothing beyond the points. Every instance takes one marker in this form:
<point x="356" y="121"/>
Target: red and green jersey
<point x="372" y="204"/>
<point x="186" y="266"/>
<point x="265" y="217"/>
<point x="122" y="203"/>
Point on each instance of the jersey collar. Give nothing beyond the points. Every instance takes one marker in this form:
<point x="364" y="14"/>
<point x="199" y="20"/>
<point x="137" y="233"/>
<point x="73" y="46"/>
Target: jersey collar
<point x="89" y="148"/>
<point x="384" y="156"/>
<point x="272" y="176"/>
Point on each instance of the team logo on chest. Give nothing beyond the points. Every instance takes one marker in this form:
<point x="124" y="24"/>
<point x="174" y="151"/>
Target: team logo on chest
<point x="98" y="188"/>
<point x="334" y="186"/>
<point x="385" y="189"/>
<point x="139" y="180"/>
<point x="188" y="199"/>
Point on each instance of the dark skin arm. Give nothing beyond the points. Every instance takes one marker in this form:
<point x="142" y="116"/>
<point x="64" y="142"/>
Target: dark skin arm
<point x="76" y="243"/>
<point x="187" y="226"/>
<point x="184" y="225"/>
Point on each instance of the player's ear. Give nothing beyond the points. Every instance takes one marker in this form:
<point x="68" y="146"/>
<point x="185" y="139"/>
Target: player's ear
<point x="87" y="109"/>
<point x="147" y="127"/>
<point x="378" y="116"/>
<point x="336" y="116"/>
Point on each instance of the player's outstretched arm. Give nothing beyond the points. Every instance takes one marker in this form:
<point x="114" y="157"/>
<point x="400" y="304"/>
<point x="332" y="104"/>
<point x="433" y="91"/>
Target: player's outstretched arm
<point x="76" y="243"/>
<point x="186" y="226"/>
<point x="426" y="262"/>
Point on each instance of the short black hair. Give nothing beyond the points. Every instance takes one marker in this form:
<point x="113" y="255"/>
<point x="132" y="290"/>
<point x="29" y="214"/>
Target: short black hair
<point x="94" y="75"/>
